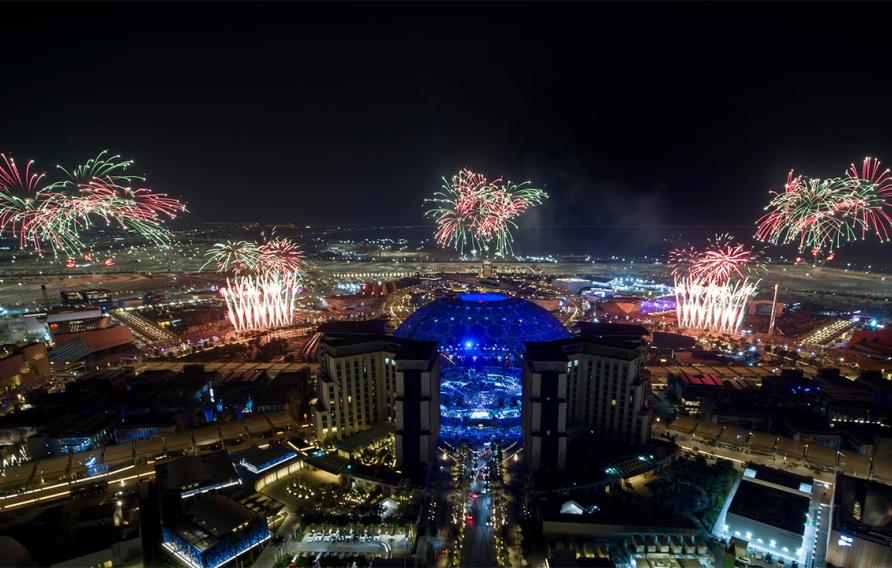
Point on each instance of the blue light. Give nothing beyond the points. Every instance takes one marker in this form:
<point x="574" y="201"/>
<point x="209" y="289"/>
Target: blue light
<point x="482" y="297"/>
<point x="485" y="335"/>
<point x="494" y="327"/>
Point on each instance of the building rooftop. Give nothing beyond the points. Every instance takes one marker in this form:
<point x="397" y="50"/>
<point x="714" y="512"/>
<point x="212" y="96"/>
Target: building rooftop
<point x="190" y="472"/>
<point x="778" y="477"/>
<point x="863" y="507"/>
<point x="775" y="507"/>
<point x="209" y="519"/>
<point x="80" y="424"/>
<point x="258" y="459"/>
<point x="361" y="327"/>
<point x="599" y="329"/>
<point x="417" y="351"/>
<point x="482" y="320"/>
<point x="366" y="437"/>
<point x="218" y="514"/>
<point x="405" y="349"/>
<point x="617" y="347"/>
<point x="668" y="340"/>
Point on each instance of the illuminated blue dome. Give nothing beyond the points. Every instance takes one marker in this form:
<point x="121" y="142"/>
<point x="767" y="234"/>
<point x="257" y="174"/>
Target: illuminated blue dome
<point x="485" y="322"/>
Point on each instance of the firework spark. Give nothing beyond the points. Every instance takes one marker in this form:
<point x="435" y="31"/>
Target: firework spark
<point x="233" y="256"/>
<point x="257" y="302"/>
<point x="712" y="285"/>
<point x="280" y="255"/>
<point x="104" y="166"/>
<point x="820" y="215"/>
<point x="471" y="211"/>
<point x="723" y="259"/>
<point x="700" y="304"/>
<point x="55" y="214"/>
<point x="266" y="279"/>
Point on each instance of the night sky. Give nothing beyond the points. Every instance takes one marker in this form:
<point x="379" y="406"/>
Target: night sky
<point x="649" y="114"/>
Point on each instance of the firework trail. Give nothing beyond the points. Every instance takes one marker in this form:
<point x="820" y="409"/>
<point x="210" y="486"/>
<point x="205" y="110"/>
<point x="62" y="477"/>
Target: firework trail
<point x="257" y="302"/>
<point x="871" y="188"/>
<point x="233" y="256"/>
<point x="471" y="211"/>
<point x="280" y="255"/>
<point x="713" y="285"/>
<point x="723" y="259"/>
<point x="455" y="208"/>
<point x="819" y="215"/>
<point x="266" y="278"/>
<point x="140" y="210"/>
<point x="104" y="165"/>
<point x="55" y="214"/>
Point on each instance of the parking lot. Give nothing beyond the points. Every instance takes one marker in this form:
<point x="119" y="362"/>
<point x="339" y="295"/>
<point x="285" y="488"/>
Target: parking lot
<point x="333" y="542"/>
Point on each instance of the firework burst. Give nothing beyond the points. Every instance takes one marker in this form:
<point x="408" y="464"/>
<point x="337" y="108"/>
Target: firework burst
<point x="713" y="285"/>
<point x="471" y="211"/>
<point x="266" y="278"/>
<point x="104" y="166"/>
<point x="723" y="259"/>
<point x="54" y="215"/>
<point x="280" y="255"/>
<point x="233" y="256"/>
<point x="258" y="302"/>
<point x="819" y="215"/>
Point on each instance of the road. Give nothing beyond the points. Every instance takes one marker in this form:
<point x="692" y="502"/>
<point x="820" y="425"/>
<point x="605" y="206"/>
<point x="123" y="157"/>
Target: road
<point x="267" y="558"/>
<point x="478" y="549"/>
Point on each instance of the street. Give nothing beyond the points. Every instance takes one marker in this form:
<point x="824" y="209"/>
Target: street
<point x="478" y="549"/>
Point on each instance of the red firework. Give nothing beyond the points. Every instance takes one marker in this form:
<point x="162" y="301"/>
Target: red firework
<point x="723" y="259"/>
<point x="280" y="255"/>
<point x="870" y="189"/>
<point x="719" y="262"/>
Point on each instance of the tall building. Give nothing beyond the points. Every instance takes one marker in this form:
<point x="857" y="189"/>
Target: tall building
<point x="591" y="382"/>
<point x="369" y="379"/>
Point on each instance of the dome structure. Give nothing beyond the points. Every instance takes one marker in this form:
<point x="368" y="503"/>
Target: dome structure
<point x="483" y="322"/>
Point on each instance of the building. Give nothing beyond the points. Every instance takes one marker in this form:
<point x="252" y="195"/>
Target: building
<point x="87" y="297"/>
<point x="365" y="380"/>
<point x="596" y="383"/>
<point x="23" y="367"/>
<point x="192" y="475"/>
<point x="79" y="345"/>
<point x="769" y="509"/>
<point x="72" y="434"/>
<point x="145" y="426"/>
<point x="257" y="460"/>
<point x="482" y="325"/>
<point x="861" y="533"/>
<point x="212" y="531"/>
